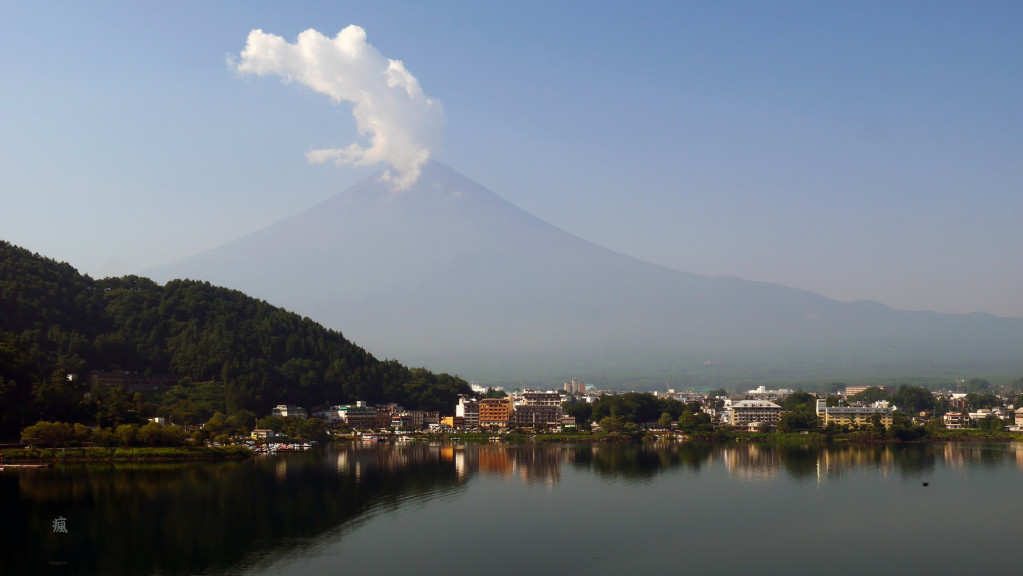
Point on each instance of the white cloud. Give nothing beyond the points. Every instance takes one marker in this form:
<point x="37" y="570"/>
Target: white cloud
<point x="401" y="123"/>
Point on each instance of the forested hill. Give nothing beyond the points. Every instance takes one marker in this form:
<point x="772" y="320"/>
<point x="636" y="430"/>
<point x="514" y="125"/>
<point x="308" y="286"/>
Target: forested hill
<point x="55" y="322"/>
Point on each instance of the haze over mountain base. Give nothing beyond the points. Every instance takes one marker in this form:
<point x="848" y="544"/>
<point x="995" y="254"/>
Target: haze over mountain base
<point x="450" y="276"/>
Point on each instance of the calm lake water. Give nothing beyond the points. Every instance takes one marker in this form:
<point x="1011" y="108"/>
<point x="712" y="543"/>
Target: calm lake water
<point x="529" y="509"/>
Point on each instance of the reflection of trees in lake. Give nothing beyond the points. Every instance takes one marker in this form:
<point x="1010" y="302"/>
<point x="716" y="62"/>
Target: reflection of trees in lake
<point x="203" y="517"/>
<point x="800" y="461"/>
<point x="640" y="461"/>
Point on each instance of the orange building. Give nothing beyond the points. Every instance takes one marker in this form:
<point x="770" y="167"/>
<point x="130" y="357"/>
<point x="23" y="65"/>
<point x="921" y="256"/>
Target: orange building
<point x="495" y="412"/>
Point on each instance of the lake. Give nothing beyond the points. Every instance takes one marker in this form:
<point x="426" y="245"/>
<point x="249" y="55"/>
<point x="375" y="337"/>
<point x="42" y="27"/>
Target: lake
<point x="526" y="509"/>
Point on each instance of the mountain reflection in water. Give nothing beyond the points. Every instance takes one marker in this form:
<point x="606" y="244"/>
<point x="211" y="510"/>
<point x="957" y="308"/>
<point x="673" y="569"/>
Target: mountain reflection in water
<point x="242" y="517"/>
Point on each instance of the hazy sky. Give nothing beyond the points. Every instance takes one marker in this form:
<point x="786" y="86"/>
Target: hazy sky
<point x="860" y="150"/>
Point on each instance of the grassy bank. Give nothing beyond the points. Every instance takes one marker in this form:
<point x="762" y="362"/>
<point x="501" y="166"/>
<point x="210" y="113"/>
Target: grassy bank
<point x="132" y="454"/>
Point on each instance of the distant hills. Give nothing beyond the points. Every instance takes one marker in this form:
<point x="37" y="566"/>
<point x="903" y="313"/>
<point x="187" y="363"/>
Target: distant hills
<point x="55" y="321"/>
<point x="451" y="276"/>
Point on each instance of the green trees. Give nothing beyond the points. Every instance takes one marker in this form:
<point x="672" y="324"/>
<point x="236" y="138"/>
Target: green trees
<point x="978" y="400"/>
<point x="63" y="434"/>
<point x="799" y="400"/>
<point x="153" y="434"/>
<point x="690" y="422"/>
<point x="799" y="419"/>
<point x="903" y="429"/>
<point x="800" y="412"/>
<point x="914" y="399"/>
<point x="636" y="407"/>
<point x="611" y="424"/>
<point x="991" y="424"/>
<point x="235" y="352"/>
<point x="56" y="434"/>
<point x="295" y="428"/>
<point x="581" y="410"/>
<point x="870" y="395"/>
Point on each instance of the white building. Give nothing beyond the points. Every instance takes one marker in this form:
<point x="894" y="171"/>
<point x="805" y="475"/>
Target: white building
<point x="754" y="414"/>
<point x="468" y="409"/>
<point x="290" y="411"/>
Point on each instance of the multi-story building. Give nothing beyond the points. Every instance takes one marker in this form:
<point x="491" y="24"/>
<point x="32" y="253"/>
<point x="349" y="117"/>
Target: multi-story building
<point x="453" y="421"/>
<point x="955" y="420"/>
<point x="528" y="415"/>
<point x="535" y="408"/>
<point x="290" y="411"/>
<point x="362" y="416"/>
<point x="852" y="415"/>
<point x="748" y="413"/>
<point x="468" y="409"/>
<point x="535" y="398"/>
<point x="575" y="387"/>
<point x="495" y="412"/>
<point x="854" y="390"/>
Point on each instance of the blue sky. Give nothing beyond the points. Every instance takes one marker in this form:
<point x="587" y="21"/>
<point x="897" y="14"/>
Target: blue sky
<point x="859" y="150"/>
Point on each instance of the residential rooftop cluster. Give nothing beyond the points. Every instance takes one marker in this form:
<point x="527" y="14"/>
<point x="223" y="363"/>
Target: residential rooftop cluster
<point x="759" y="409"/>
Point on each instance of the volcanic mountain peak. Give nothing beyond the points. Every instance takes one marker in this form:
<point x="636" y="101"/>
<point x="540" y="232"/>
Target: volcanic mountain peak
<point x="451" y="275"/>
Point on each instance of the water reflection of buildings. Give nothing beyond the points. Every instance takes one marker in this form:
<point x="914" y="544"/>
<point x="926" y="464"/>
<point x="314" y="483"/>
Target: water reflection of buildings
<point x="751" y="461"/>
<point x="836" y="462"/>
<point x="542" y="464"/>
<point x="533" y="464"/>
<point x="958" y="456"/>
<point x="1016" y="449"/>
<point x="359" y="461"/>
<point x="916" y="462"/>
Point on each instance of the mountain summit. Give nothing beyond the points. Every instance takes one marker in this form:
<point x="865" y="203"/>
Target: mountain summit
<point x="450" y="275"/>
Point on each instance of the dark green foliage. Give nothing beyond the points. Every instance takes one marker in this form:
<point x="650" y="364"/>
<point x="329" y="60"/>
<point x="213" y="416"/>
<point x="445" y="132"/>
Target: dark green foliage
<point x="636" y="407"/>
<point x="799" y="400"/>
<point x="870" y="395"/>
<point x="978" y="401"/>
<point x="581" y="410"/>
<point x="978" y="385"/>
<point x="991" y="424"/>
<point x="63" y="434"/>
<point x="295" y="428"/>
<point x="800" y="412"/>
<point x="799" y="419"/>
<point x="914" y="399"/>
<point x="904" y="430"/>
<point x="245" y="353"/>
<point x="695" y="422"/>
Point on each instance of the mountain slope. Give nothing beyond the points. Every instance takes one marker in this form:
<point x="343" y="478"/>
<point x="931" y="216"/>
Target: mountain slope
<point x="450" y="275"/>
<point x="55" y="321"/>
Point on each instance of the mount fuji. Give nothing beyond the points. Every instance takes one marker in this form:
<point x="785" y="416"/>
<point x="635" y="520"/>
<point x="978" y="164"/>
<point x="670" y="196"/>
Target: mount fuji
<point x="450" y="276"/>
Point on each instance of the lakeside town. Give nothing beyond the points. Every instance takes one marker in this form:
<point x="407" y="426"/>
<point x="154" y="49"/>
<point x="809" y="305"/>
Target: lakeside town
<point x="757" y="410"/>
<point x="581" y="412"/>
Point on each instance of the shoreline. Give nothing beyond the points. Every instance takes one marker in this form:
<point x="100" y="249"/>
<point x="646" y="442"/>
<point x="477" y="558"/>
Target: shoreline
<point x="43" y="457"/>
<point x="13" y="457"/>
